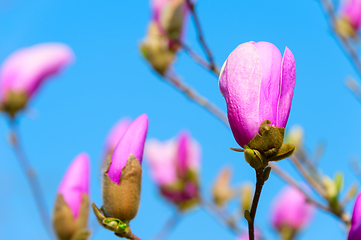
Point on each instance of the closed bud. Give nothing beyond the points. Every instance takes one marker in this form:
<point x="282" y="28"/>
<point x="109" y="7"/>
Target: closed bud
<point x="122" y="180"/>
<point x="72" y="203"/>
<point x="222" y="192"/>
<point x="174" y="166"/>
<point x="24" y="71"/>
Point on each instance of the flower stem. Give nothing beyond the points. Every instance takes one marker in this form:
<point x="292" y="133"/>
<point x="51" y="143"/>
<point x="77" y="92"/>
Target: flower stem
<point x="259" y="185"/>
<point x="212" y="64"/>
<point x="31" y="177"/>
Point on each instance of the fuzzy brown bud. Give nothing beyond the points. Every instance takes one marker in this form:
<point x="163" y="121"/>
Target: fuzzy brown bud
<point x="122" y="201"/>
<point x="65" y="225"/>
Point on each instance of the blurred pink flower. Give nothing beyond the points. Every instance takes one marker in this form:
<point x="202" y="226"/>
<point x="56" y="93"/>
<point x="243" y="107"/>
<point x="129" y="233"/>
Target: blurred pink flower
<point x="246" y="237"/>
<point x="75" y="182"/>
<point x="116" y="133"/>
<point x="132" y="142"/>
<point x="290" y="209"/>
<point x="25" y="69"/>
<point x="257" y="84"/>
<point x="350" y="10"/>
<point x="355" y="231"/>
<point x="171" y="162"/>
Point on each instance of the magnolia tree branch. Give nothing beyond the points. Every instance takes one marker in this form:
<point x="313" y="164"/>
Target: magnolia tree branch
<point x="212" y="65"/>
<point x="221" y="216"/>
<point x="287" y="178"/>
<point x="197" y="98"/>
<point x="31" y="177"/>
<point x="168" y="226"/>
<point x="347" y="46"/>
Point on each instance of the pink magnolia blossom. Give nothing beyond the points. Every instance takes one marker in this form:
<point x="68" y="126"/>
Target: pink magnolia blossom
<point x="257" y="84"/>
<point x="26" y="69"/>
<point x="76" y="182"/>
<point x="116" y="133"/>
<point x="170" y="162"/>
<point x="355" y="231"/>
<point x="351" y="11"/>
<point x="291" y="209"/>
<point x="132" y="142"/>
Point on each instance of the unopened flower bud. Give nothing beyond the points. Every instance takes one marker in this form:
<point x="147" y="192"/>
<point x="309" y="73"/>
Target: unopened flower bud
<point x="72" y="203"/>
<point x="290" y="211"/>
<point x="355" y="230"/>
<point x="122" y="180"/>
<point x="349" y="20"/>
<point x="222" y="192"/>
<point x="26" y="69"/>
<point x="174" y="166"/>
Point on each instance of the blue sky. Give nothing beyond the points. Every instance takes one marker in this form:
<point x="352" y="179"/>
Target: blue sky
<point x="109" y="79"/>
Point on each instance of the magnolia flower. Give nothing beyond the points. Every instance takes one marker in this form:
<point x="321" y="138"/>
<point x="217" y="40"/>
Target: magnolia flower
<point x="122" y="180"/>
<point x="165" y="30"/>
<point x="355" y="231"/>
<point x="26" y="69"/>
<point x="174" y="166"/>
<point x="72" y="203"/>
<point x="116" y="133"/>
<point x="257" y="84"/>
<point x="290" y="210"/>
<point x="351" y="11"/>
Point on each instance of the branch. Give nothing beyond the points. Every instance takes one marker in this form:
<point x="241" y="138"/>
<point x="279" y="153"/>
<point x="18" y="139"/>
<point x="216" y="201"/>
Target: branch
<point x="31" y="177"/>
<point x="201" y="40"/>
<point x="196" y="97"/>
<point x="220" y="216"/>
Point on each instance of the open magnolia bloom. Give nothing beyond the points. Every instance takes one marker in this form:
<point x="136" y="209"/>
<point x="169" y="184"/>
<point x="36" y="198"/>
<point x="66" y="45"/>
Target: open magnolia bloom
<point x="72" y="203"/>
<point x="26" y="69"/>
<point x="257" y="84"/>
<point x="174" y="166"/>
<point x="122" y="180"/>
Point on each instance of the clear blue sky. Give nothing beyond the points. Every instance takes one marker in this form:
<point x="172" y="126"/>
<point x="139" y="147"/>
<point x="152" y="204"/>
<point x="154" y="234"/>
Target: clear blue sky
<point x="109" y="80"/>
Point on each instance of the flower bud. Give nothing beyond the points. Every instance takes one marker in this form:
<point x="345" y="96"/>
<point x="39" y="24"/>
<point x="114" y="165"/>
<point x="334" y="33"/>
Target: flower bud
<point x="174" y="166"/>
<point x="257" y="84"/>
<point x="26" y="69"/>
<point x="349" y="20"/>
<point x="222" y="192"/>
<point x="72" y="202"/>
<point x="122" y="180"/>
<point x="290" y="211"/>
<point x="355" y="230"/>
<point x="295" y="136"/>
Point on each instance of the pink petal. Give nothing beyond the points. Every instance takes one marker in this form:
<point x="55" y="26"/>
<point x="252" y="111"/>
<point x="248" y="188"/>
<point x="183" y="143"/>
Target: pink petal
<point x="270" y="58"/>
<point x="116" y="133"/>
<point x="161" y="159"/>
<point x="355" y="231"/>
<point x="240" y="84"/>
<point x="351" y="10"/>
<point x="290" y="208"/>
<point x="75" y="182"/>
<point x="132" y="142"/>
<point x="288" y="80"/>
<point x="25" y="69"/>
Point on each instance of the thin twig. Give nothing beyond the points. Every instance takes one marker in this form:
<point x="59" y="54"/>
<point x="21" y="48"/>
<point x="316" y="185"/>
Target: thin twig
<point x="345" y="43"/>
<point x="354" y="86"/>
<point x="221" y="217"/>
<point x="287" y="178"/>
<point x="204" y="63"/>
<point x="205" y="47"/>
<point x="168" y="227"/>
<point x="318" y="188"/>
<point x="32" y="178"/>
<point x="196" y="97"/>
